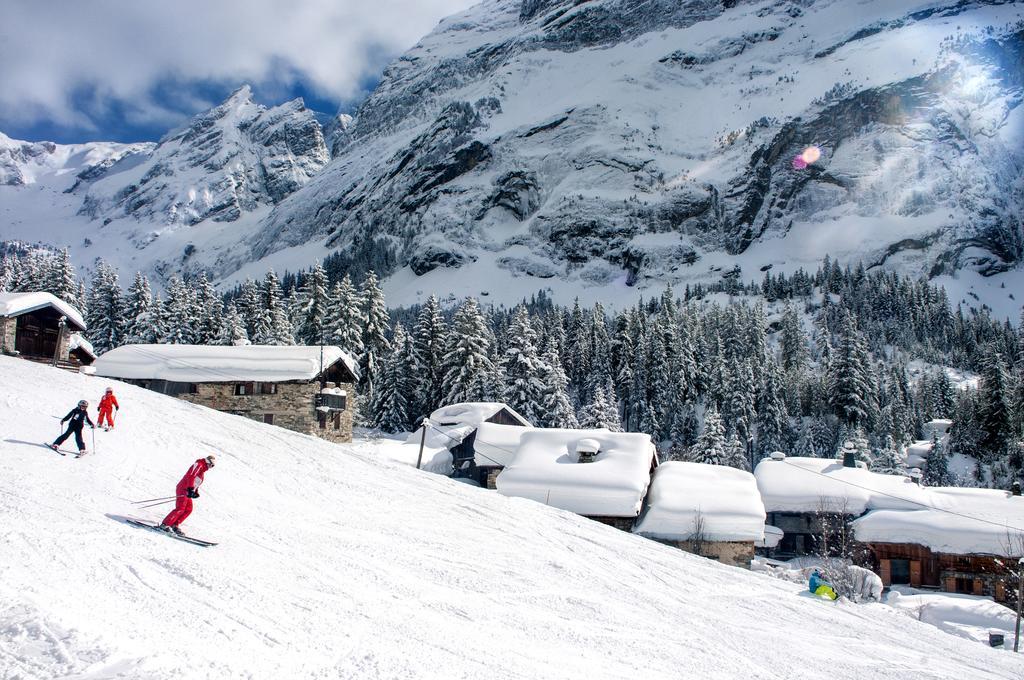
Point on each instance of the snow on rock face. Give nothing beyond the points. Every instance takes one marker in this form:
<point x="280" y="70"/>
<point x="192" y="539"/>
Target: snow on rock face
<point x="579" y="131"/>
<point x="21" y="163"/>
<point x="226" y="161"/>
<point x="335" y="563"/>
<point x="724" y="498"/>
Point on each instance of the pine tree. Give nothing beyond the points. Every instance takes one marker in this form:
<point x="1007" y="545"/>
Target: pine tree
<point x="710" y="446"/>
<point x="556" y="406"/>
<point x="771" y="415"/>
<point x="375" y="323"/>
<point x="849" y="383"/>
<point x="139" y="312"/>
<point x="391" y="410"/>
<point x="887" y="460"/>
<point x="429" y="338"/>
<point x="61" y="278"/>
<point x="468" y="370"/>
<point x="251" y="309"/>
<point x="735" y="454"/>
<point x="601" y="411"/>
<point x="523" y="369"/>
<point x="106" y="310"/>
<point x="209" y="311"/>
<point x="314" y="305"/>
<point x="179" y="314"/>
<point x="936" y="471"/>
<point x="232" y="330"/>
<point x="993" y="413"/>
<point x="792" y="340"/>
<point x="274" y="326"/>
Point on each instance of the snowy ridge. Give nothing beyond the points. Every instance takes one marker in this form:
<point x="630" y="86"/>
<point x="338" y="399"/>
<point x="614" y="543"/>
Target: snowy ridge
<point x="332" y="563"/>
<point x="600" y="149"/>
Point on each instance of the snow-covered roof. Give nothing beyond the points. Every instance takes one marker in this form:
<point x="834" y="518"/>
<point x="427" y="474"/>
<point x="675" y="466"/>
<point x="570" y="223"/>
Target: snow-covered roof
<point x="207" y="363"/>
<point x="16" y="304"/>
<point x="772" y="536"/>
<point x="957" y="520"/>
<point x="918" y="452"/>
<point x="78" y="341"/>
<point x="545" y="469"/>
<point x="937" y="425"/>
<point x="472" y="413"/>
<point x="497" y="444"/>
<point x="725" y="498"/>
<point x="809" y="484"/>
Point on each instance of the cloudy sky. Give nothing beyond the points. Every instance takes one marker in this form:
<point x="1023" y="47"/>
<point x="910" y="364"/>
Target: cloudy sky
<point x="128" y="70"/>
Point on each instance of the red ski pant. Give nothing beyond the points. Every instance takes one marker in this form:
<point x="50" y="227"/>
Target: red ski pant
<point x="182" y="509"/>
<point x="106" y="413"/>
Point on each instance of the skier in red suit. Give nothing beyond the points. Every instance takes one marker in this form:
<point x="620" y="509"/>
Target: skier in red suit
<point x="108" y="404"/>
<point x="187" y="489"/>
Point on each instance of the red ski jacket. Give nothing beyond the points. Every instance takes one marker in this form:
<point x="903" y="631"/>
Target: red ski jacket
<point x="194" y="477"/>
<point x="108" y="401"/>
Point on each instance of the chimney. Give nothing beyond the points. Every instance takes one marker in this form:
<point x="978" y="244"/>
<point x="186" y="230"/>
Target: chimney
<point x="587" y="450"/>
<point x="1015" y="488"/>
<point x="849" y="459"/>
<point x="777" y="455"/>
<point x="915" y="474"/>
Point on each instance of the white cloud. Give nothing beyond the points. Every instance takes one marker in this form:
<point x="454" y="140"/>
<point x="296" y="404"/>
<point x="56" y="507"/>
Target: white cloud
<point x="122" y="48"/>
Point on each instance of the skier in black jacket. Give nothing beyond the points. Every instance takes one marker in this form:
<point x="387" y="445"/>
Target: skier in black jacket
<point x="76" y="420"/>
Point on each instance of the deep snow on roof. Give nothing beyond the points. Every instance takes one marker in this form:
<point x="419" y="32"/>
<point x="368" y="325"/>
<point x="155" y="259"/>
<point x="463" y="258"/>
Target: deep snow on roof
<point x="14" y="304"/>
<point x="956" y="520"/>
<point x="472" y="413"/>
<point x="810" y="484"/>
<point x="208" y="363"/>
<point x="497" y="444"/>
<point x="545" y="468"/>
<point x="78" y="341"/>
<point x="724" y="498"/>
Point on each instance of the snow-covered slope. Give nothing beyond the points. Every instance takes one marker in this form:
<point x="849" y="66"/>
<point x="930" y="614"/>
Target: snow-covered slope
<point x="23" y="163"/>
<point x="334" y="564"/>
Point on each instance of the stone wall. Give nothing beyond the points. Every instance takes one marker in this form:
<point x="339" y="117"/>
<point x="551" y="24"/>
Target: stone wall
<point x="733" y="553"/>
<point x="8" y="331"/>
<point x="292" y="407"/>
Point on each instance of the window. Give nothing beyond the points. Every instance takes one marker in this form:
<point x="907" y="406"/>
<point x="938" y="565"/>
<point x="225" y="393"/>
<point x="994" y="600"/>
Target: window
<point x="244" y="389"/>
<point x="321" y="417"/>
<point x="337" y="420"/>
<point x="268" y="418"/>
<point x="899" y="572"/>
<point x="964" y="584"/>
<point x="268" y="388"/>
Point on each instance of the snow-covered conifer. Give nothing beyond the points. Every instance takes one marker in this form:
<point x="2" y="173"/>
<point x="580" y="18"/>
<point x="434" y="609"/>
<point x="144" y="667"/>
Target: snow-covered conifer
<point x="106" y="309"/>
<point x="556" y="406"/>
<point x="468" y="370"/>
<point x="710" y="446"/>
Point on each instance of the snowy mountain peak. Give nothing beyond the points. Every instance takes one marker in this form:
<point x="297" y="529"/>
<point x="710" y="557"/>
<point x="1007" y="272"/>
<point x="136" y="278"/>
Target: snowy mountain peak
<point x="226" y="161"/>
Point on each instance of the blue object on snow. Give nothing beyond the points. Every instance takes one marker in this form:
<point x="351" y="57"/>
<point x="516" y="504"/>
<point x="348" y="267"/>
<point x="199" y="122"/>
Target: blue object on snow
<point x="816" y="581"/>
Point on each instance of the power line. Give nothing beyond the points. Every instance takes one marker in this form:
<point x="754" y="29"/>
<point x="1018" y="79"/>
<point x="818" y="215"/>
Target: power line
<point x="905" y="500"/>
<point x="475" y="452"/>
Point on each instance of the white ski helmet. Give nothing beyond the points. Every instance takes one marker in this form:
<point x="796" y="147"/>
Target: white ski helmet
<point x="83" y="402"/>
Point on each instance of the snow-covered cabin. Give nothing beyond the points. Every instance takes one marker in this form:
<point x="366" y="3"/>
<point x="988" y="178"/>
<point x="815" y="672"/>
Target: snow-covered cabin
<point x="711" y="510"/>
<point x="38" y="326"/>
<point x="596" y="473"/>
<point x="801" y="495"/>
<point x="954" y="539"/>
<point x="482" y="436"/>
<point x="305" y="389"/>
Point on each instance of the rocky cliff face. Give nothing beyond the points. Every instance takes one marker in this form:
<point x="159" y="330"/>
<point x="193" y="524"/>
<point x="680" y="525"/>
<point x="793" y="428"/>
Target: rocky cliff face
<point x="591" y="140"/>
<point x="226" y="161"/>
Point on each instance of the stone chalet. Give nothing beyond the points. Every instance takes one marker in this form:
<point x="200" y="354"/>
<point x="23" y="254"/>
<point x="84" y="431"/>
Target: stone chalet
<point x="304" y="389"/>
<point x="42" y="327"/>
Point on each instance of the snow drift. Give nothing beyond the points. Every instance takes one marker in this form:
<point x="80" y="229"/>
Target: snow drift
<point x="332" y="563"/>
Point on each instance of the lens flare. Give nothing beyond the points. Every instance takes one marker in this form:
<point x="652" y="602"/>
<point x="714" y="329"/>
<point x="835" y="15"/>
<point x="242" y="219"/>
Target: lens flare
<point x="811" y="154"/>
<point x="799" y="163"/>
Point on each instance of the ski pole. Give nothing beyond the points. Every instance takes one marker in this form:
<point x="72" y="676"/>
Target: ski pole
<point x="153" y="505"/>
<point x="150" y="500"/>
<point x="94" y="439"/>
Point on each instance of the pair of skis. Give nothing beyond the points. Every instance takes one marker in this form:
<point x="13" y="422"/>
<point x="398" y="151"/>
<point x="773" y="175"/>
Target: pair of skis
<point x="62" y="452"/>
<point x="170" y="534"/>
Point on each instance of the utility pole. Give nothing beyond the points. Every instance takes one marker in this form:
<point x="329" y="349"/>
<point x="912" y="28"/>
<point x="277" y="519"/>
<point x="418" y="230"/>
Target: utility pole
<point x="423" y="440"/>
<point x="1020" y="600"/>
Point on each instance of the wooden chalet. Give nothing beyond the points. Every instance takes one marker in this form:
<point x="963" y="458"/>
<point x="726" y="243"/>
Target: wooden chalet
<point x="39" y="326"/>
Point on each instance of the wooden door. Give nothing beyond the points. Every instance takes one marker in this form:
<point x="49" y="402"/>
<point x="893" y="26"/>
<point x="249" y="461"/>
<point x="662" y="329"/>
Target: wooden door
<point x="915" y="573"/>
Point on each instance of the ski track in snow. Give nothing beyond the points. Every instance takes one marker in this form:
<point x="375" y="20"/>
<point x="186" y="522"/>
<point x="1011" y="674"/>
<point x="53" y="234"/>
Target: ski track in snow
<point x="333" y="565"/>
